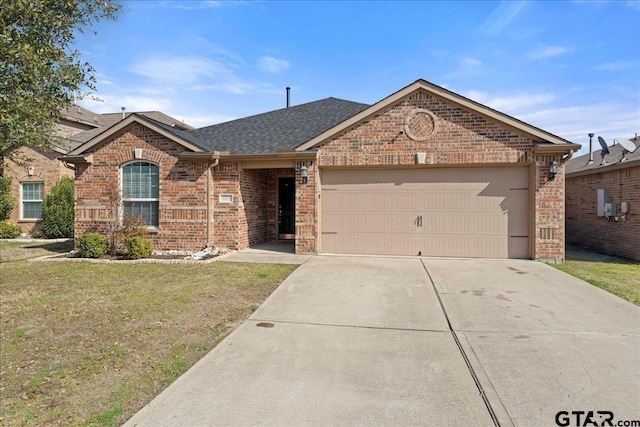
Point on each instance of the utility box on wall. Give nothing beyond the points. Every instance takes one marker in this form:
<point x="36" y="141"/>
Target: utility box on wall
<point x="603" y="197"/>
<point x="624" y="207"/>
<point x="609" y="209"/>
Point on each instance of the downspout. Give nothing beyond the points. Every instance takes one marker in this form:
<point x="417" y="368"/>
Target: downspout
<point x="211" y="165"/>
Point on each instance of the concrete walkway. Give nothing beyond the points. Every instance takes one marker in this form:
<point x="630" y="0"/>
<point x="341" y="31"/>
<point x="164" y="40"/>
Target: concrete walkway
<point x="405" y="341"/>
<point x="268" y="253"/>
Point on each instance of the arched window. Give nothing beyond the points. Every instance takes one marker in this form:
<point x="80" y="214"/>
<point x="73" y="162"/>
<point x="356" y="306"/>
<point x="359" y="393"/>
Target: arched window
<point x="141" y="191"/>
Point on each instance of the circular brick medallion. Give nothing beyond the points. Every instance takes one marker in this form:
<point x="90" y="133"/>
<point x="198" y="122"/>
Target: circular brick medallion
<point x="420" y="125"/>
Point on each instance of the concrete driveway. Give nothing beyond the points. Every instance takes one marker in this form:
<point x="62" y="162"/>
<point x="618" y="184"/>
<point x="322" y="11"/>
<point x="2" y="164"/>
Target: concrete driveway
<point x="405" y="341"/>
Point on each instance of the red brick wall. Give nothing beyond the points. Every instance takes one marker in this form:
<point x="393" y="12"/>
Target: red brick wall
<point x="226" y="180"/>
<point x="254" y="215"/>
<point x="585" y="228"/>
<point x="461" y="137"/>
<point x="183" y="188"/>
<point x="306" y="208"/>
<point x="549" y="211"/>
<point x="251" y="218"/>
<point x="46" y="169"/>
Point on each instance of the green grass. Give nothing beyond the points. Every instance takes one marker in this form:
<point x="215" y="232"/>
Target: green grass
<point x="90" y="344"/>
<point x="619" y="277"/>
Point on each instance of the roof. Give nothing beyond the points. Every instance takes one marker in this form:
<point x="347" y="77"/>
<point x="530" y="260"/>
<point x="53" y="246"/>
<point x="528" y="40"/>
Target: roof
<point x="579" y="164"/>
<point x="282" y="129"/>
<point x="81" y="115"/>
<point x="180" y="136"/>
<point x="109" y="119"/>
<point x="552" y="142"/>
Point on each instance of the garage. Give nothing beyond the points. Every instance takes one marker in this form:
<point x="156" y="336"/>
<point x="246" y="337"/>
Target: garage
<point x="479" y="212"/>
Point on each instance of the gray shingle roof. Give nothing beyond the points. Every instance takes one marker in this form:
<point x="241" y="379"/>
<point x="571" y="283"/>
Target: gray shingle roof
<point x="186" y="135"/>
<point x="579" y="164"/>
<point x="109" y="119"/>
<point x="282" y="129"/>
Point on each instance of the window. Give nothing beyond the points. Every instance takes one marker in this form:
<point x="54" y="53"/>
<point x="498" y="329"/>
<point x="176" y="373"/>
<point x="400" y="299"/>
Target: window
<point x="141" y="191"/>
<point x="32" y="197"/>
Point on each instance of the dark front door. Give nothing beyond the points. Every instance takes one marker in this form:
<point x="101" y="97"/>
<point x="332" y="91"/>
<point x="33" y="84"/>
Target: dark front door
<point x="286" y="208"/>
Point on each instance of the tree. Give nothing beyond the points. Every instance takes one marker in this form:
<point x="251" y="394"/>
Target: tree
<point x="39" y="67"/>
<point x="6" y="200"/>
<point x="57" y="210"/>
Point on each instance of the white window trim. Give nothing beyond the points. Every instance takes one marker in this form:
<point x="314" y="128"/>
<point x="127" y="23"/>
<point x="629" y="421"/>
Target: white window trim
<point x="123" y="199"/>
<point x="22" y="200"/>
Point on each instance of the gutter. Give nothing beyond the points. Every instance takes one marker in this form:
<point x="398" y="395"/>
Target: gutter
<point x="77" y="159"/>
<point x="607" y="168"/>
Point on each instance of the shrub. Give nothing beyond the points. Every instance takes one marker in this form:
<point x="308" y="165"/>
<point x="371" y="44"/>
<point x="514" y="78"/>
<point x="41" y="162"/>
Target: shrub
<point x="9" y="230"/>
<point x="57" y="210"/>
<point x="6" y="200"/>
<point x="139" y="247"/>
<point x="92" y="245"/>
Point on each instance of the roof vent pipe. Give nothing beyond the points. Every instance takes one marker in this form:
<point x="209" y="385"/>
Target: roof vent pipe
<point x="590" y="149"/>
<point x="288" y="95"/>
<point x="122" y="108"/>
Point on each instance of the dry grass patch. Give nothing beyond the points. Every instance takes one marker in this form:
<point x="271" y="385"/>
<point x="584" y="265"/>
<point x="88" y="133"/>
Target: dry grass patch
<point x="620" y="277"/>
<point x="90" y="344"/>
<point x="16" y="250"/>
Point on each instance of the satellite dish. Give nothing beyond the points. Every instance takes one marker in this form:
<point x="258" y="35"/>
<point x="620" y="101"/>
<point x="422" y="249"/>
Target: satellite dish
<point x="627" y="147"/>
<point x="605" y="150"/>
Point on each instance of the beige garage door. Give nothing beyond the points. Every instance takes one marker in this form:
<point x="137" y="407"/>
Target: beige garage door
<point x="461" y="212"/>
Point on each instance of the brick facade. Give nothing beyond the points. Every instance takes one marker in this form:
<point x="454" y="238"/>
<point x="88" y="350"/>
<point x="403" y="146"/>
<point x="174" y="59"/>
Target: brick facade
<point x="183" y="188"/>
<point x="233" y="204"/>
<point x="460" y="137"/>
<point x="251" y="217"/>
<point x="46" y="169"/>
<point x="585" y="228"/>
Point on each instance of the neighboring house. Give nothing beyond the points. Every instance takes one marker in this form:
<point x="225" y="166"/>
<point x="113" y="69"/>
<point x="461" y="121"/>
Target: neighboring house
<point x="424" y="171"/>
<point x="33" y="180"/>
<point x="616" y="182"/>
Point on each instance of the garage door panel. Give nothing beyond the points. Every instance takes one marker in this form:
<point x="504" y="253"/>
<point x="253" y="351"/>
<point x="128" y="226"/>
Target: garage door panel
<point x="490" y="224"/>
<point x="465" y="212"/>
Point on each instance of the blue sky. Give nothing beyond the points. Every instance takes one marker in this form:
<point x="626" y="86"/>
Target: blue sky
<point x="569" y="67"/>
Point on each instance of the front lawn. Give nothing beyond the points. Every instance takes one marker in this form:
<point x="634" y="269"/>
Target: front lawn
<point x="15" y="250"/>
<point x="90" y="344"/>
<point x="619" y="277"/>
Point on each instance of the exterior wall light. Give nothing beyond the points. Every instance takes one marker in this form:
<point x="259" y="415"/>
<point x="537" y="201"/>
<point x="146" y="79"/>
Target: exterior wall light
<point x="553" y="170"/>
<point x="304" y="172"/>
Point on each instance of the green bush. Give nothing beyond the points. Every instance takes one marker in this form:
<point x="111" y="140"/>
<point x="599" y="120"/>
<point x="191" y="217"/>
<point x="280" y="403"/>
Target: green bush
<point x="139" y="247"/>
<point x="6" y="200"/>
<point x="92" y="245"/>
<point x="9" y="230"/>
<point x="57" y="210"/>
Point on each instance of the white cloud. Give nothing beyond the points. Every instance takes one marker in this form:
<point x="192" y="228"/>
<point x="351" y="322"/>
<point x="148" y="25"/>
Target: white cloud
<point x="198" y="121"/>
<point x="615" y="66"/>
<point x="112" y="103"/>
<point x="270" y="64"/>
<point x="542" y="109"/>
<point x="179" y="70"/>
<point x="501" y="17"/>
<point x="608" y="120"/>
<point x="543" y="52"/>
<point x="467" y="67"/>
<point x="471" y="62"/>
<point x="513" y="103"/>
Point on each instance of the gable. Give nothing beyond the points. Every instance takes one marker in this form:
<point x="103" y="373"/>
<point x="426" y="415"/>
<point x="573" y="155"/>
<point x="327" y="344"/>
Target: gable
<point x="444" y="132"/>
<point x="176" y="135"/>
<point x="451" y="99"/>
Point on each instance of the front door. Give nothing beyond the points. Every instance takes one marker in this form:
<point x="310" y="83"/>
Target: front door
<point x="286" y="208"/>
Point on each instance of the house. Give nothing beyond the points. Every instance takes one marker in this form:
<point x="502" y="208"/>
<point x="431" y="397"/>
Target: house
<point x="590" y="184"/>
<point x="33" y="180"/>
<point x="424" y="171"/>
